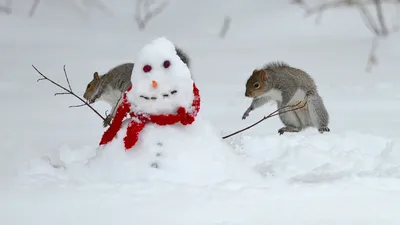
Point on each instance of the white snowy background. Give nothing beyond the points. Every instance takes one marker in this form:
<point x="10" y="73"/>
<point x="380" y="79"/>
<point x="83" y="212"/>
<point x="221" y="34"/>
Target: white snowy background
<point x="348" y="176"/>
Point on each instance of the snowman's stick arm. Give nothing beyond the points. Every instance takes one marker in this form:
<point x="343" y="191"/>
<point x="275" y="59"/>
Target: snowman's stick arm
<point x="274" y="113"/>
<point x="67" y="91"/>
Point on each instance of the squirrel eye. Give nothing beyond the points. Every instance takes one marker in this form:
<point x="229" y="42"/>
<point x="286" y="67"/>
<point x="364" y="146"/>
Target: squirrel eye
<point x="256" y="85"/>
<point x="146" y="68"/>
<point x="166" y="64"/>
<point x="88" y="86"/>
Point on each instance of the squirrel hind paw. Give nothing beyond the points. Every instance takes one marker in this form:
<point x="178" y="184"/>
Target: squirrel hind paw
<point x="324" y="129"/>
<point x="288" y="129"/>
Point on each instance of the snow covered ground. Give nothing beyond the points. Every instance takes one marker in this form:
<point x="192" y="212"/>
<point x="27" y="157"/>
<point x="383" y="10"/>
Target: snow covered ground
<point x="348" y="176"/>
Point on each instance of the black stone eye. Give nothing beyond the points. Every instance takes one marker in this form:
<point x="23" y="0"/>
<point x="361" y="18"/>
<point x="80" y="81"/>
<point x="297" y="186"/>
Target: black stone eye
<point x="256" y="85"/>
<point x="166" y="64"/>
<point x="88" y="86"/>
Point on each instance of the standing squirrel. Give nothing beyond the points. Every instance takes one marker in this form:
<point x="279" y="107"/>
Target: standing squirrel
<point x="277" y="81"/>
<point x="110" y="86"/>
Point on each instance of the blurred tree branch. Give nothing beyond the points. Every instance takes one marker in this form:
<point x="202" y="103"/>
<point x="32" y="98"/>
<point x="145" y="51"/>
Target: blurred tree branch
<point x="96" y="4"/>
<point x="376" y="25"/>
<point x="7" y="8"/>
<point x="34" y="7"/>
<point x="225" y="27"/>
<point x="147" y="10"/>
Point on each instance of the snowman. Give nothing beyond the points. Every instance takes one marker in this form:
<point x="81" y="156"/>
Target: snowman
<point x="156" y="132"/>
<point x="163" y="93"/>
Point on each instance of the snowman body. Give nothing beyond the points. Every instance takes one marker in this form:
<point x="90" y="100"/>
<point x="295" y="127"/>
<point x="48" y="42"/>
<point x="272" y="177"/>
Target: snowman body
<point x="191" y="154"/>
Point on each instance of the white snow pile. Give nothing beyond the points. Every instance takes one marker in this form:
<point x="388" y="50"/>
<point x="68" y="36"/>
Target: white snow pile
<point x="309" y="157"/>
<point x="192" y="154"/>
<point x="196" y="155"/>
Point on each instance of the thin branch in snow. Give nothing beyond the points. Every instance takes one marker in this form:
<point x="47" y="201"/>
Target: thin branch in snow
<point x="67" y="91"/>
<point x="274" y="113"/>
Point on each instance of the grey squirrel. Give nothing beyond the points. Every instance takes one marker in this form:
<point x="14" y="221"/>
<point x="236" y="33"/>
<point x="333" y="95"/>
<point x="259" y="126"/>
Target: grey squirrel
<point x="110" y="86"/>
<point x="277" y="81"/>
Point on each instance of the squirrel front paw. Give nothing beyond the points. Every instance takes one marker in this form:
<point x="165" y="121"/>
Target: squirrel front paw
<point x="107" y="121"/>
<point x="246" y="114"/>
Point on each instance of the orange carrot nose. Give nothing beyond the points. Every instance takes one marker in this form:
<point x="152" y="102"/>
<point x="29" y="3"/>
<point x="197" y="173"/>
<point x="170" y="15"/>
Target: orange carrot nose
<point x="154" y="84"/>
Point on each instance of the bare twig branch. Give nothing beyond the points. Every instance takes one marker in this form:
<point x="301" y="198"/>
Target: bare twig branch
<point x="143" y="7"/>
<point x="108" y="119"/>
<point x="7" y="8"/>
<point x="225" y="27"/>
<point x="96" y="4"/>
<point x="320" y="9"/>
<point x="146" y="6"/>
<point x="372" y="60"/>
<point x="62" y="93"/>
<point x="376" y="25"/>
<point x="66" y="77"/>
<point x="381" y="19"/>
<point x="274" y="113"/>
<point x="368" y="19"/>
<point x="76" y="106"/>
<point x="66" y="90"/>
<point x="34" y="7"/>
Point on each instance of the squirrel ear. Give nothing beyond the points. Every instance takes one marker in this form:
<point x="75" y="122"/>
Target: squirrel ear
<point x="264" y="74"/>
<point x="96" y="76"/>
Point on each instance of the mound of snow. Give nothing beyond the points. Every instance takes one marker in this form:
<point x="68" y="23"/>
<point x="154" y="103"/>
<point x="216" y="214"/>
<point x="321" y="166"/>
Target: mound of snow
<point x="179" y="151"/>
<point x="313" y="158"/>
<point x="193" y="155"/>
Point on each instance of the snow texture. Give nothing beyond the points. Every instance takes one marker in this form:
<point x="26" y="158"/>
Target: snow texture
<point x="163" y="154"/>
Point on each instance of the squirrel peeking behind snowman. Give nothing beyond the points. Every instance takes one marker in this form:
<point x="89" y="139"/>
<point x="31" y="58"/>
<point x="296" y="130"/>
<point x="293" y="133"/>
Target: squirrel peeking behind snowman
<point x="162" y="93"/>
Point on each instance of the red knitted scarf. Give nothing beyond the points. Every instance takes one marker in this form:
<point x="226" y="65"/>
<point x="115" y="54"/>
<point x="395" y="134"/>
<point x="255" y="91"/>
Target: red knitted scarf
<point x="138" y="121"/>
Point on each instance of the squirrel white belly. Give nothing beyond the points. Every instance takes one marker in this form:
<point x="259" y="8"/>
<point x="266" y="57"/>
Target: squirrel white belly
<point x="110" y="86"/>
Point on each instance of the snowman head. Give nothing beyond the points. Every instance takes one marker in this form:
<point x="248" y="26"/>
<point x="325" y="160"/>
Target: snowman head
<point x="161" y="82"/>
